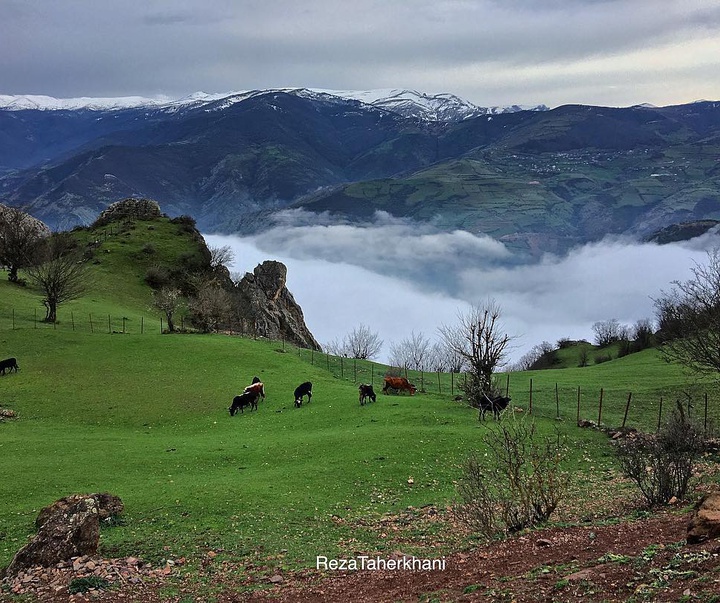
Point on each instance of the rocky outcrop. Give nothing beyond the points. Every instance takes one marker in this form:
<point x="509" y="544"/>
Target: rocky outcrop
<point x="133" y="209"/>
<point x="70" y="527"/>
<point x="269" y="309"/>
<point x="705" y="521"/>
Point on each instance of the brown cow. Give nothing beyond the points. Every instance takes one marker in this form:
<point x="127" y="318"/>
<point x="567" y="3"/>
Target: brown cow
<point x="398" y="384"/>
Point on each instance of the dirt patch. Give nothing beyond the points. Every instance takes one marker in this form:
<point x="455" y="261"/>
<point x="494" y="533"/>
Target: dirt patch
<point x="645" y="559"/>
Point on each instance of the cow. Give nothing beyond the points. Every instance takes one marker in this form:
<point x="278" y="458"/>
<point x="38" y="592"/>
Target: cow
<point x="496" y="405"/>
<point x="304" y="389"/>
<point x="398" y="384"/>
<point x="10" y="364"/>
<point x="247" y="398"/>
<point x="366" y="391"/>
<point x="257" y="387"/>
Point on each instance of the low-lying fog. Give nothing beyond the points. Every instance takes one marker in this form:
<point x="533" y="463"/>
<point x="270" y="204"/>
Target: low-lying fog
<point x="397" y="277"/>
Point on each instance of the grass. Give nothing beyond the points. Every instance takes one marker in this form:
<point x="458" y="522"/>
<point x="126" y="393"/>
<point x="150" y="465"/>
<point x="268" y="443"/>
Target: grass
<point x="144" y="416"/>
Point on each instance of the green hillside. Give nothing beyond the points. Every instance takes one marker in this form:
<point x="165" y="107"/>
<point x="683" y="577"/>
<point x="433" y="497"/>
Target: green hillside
<point x="144" y="415"/>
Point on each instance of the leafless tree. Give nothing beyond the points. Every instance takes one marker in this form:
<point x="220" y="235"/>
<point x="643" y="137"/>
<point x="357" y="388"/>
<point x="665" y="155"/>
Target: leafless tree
<point x="609" y="331"/>
<point x="221" y="256"/>
<point x="210" y="307"/>
<point x="530" y="359"/>
<point x="60" y="272"/>
<point x="689" y="318"/>
<point x="362" y="343"/>
<point x="479" y="338"/>
<point x="20" y="235"/>
<point x="411" y="353"/>
<point x="167" y="300"/>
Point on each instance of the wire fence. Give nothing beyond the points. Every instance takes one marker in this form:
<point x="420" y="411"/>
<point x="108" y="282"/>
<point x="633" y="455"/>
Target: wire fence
<point x="601" y="406"/>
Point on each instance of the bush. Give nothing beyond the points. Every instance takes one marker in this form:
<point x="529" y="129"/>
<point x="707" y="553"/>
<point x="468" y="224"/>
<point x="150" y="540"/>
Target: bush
<point x="518" y="483"/>
<point x="83" y="585"/>
<point x="157" y="277"/>
<point x="661" y="465"/>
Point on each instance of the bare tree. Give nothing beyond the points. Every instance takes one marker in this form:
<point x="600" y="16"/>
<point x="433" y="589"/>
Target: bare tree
<point x="60" y="272"/>
<point x="20" y="235"/>
<point x="531" y="359"/>
<point x="210" y="307"/>
<point x="479" y="339"/>
<point x="689" y="318"/>
<point x="221" y="256"/>
<point x="361" y="343"/>
<point x="167" y="300"/>
<point x="609" y="331"/>
<point x="411" y="353"/>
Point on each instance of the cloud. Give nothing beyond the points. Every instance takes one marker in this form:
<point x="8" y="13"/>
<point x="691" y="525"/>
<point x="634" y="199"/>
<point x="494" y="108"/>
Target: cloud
<point x="346" y="275"/>
<point x="466" y="47"/>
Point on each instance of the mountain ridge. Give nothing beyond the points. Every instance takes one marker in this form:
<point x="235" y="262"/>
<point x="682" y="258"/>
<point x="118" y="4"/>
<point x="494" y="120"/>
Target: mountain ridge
<point x="540" y="180"/>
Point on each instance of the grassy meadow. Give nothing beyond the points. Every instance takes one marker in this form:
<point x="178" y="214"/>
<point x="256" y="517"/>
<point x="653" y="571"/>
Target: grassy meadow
<point x="144" y="416"/>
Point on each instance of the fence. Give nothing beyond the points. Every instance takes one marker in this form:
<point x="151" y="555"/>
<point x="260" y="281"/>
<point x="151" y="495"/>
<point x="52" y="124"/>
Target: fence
<point x="605" y="406"/>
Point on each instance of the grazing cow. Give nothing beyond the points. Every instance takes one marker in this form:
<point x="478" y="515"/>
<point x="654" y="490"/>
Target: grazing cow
<point x="366" y="391"/>
<point x="398" y="384"/>
<point x="304" y="389"/>
<point x="496" y="405"/>
<point x="245" y="399"/>
<point x="257" y="388"/>
<point x="9" y="363"/>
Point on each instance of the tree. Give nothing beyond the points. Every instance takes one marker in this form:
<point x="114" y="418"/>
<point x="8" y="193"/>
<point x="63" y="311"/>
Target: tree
<point x="210" y="307"/>
<point x="479" y="339"/>
<point x="361" y="343"/>
<point x="609" y="331"/>
<point x="167" y="300"/>
<point x="221" y="256"/>
<point x="60" y="272"/>
<point x="411" y="353"/>
<point x="689" y="318"/>
<point x="20" y="235"/>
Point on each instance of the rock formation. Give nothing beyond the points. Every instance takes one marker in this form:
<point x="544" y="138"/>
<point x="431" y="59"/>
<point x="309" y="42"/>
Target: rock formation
<point x="135" y="209"/>
<point x="70" y="527"/>
<point x="705" y="521"/>
<point x="269" y="309"/>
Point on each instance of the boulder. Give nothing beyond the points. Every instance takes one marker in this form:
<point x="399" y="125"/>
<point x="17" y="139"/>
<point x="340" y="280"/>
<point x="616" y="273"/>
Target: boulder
<point x="134" y="209"/>
<point x="705" y="521"/>
<point x="69" y="527"/>
<point x="269" y="309"/>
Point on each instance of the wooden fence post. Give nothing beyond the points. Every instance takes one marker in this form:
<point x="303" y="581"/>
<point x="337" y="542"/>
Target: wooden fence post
<point x="72" y="319"/>
<point x="557" y="402"/>
<point x="109" y="325"/>
<point x="706" y="412"/>
<point x="507" y="386"/>
<point x="142" y="325"/>
<point x="91" y="324"/>
<point x="627" y="408"/>
<point x="659" y="414"/>
<point x="439" y="386"/>
<point x="452" y="383"/>
<point x="531" y="392"/>
<point x="600" y="407"/>
<point x="578" y="405"/>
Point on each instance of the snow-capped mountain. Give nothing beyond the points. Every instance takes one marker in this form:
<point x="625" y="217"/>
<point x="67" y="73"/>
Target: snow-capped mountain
<point x="407" y="103"/>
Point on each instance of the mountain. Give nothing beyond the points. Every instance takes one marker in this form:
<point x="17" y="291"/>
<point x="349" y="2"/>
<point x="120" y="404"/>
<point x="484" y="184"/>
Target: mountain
<point x="538" y="179"/>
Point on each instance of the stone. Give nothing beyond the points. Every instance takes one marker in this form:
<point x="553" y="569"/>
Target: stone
<point x="705" y="521"/>
<point x="138" y="209"/>
<point x="269" y="310"/>
<point x="68" y="529"/>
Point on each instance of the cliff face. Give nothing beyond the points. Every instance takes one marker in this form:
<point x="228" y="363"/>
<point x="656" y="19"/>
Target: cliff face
<point x="266" y="303"/>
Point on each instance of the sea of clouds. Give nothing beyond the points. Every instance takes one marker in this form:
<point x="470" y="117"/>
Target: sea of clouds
<point x="398" y="277"/>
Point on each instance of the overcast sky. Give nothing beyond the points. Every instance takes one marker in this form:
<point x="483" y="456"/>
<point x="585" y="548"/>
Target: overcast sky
<point x="491" y="52"/>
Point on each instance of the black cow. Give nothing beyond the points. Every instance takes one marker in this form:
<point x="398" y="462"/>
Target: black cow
<point x="496" y="405"/>
<point x="304" y="389"/>
<point x="366" y="391"/>
<point x="245" y="399"/>
<point x="9" y="363"/>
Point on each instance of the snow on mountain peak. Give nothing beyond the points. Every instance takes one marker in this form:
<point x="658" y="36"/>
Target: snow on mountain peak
<point x="408" y="103"/>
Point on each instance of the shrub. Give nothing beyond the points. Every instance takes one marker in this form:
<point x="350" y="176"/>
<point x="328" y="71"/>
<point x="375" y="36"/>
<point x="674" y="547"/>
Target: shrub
<point x="83" y="585"/>
<point x="157" y="277"/>
<point x="661" y="465"/>
<point x="518" y="483"/>
<point x="148" y="248"/>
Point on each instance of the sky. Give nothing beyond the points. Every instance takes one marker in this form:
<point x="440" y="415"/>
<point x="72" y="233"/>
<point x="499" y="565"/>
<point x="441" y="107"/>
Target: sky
<point x="490" y="52"/>
<point x="343" y="276"/>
